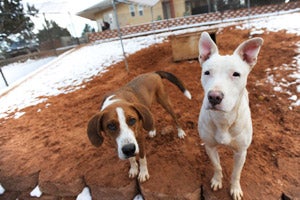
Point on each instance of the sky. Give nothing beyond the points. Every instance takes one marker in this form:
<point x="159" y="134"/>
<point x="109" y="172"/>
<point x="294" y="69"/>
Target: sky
<point x="71" y="70"/>
<point x="62" y="12"/>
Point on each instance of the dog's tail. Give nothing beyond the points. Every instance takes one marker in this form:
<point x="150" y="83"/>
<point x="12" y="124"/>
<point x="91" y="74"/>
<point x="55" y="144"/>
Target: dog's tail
<point x="176" y="81"/>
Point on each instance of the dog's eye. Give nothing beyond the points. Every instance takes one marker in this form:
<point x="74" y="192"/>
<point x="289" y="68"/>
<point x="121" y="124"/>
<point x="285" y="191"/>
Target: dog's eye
<point x="206" y="73"/>
<point x="236" y="74"/>
<point x="112" y="126"/>
<point x="131" y="121"/>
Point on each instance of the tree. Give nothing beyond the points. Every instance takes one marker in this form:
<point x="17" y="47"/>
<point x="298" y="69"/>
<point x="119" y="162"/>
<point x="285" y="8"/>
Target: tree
<point x="14" y="20"/>
<point x="53" y="30"/>
<point x="87" y="29"/>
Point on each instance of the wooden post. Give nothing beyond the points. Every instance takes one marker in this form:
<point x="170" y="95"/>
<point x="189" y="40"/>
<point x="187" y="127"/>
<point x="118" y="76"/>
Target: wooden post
<point x="3" y="77"/>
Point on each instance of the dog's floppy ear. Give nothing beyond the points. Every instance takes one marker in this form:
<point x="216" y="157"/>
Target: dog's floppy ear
<point x="94" y="130"/>
<point x="249" y="49"/>
<point x="207" y="47"/>
<point x="145" y="114"/>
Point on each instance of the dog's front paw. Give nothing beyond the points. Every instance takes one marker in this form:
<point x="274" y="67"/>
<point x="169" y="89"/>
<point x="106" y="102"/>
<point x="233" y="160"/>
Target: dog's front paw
<point x="152" y="133"/>
<point x="144" y="175"/>
<point x="236" y="191"/>
<point x="181" y="133"/>
<point x="216" y="183"/>
<point x="133" y="171"/>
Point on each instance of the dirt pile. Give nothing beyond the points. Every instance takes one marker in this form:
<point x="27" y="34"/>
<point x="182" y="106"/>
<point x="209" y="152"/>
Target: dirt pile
<point x="48" y="146"/>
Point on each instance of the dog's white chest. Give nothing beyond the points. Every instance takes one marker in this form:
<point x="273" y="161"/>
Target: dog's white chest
<point x="223" y="123"/>
<point x="223" y="137"/>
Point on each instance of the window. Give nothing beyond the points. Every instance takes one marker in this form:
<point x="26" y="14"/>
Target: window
<point x="132" y="10"/>
<point x="166" y="9"/>
<point x="141" y="10"/>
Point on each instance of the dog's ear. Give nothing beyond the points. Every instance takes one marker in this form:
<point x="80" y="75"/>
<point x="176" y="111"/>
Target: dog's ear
<point x="248" y="50"/>
<point x="94" y="129"/>
<point x="207" y="47"/>
<point x="145" y="114"/>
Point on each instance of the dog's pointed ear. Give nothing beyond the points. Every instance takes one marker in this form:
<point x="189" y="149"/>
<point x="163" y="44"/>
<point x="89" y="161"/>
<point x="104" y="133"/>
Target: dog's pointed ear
<point x="145" y="114"/>
<point x="207" y="47"/>
<point x="94" y="129"/>
<point x="249" y="49"/>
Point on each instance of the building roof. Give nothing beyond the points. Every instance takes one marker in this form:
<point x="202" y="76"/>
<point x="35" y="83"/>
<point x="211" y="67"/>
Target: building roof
<point x="90" y="12"/>
<point x="141" y="2"/>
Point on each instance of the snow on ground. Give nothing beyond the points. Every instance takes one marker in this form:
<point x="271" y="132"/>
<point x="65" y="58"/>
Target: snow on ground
<point x="283" y="85"/>
<point x="36" y="192"/>
<point x="290" y="23"/>
<point x="69" y="71"/>
<point x="84" y="195"/>
<point x="16" y="71"/>
<point x="2" y="190"/>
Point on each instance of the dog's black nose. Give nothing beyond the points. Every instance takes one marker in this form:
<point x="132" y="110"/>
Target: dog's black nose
<point x="129" y="149"/>
<point x="215" y="97"/>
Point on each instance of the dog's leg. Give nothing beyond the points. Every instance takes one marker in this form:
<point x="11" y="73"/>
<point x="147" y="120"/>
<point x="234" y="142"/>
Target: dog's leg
<point x="216" y="181"/>
<point x="144" y="175"/>
<point x="133" y="167"/>
<point x="163" y="100"/>
<point x="239" y="160"/>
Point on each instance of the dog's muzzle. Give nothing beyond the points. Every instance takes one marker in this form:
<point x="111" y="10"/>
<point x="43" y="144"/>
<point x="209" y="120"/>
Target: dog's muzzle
<point x="129" y="150"/>
<point x="215" y="97"/>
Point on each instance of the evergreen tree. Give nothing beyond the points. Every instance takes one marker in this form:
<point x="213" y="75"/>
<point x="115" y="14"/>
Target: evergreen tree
<point x="14" y="20"/>
<point x="87" y="29"/>
<point x="52" y="30"/>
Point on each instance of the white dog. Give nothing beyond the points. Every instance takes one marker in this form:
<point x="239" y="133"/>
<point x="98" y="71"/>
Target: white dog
<point x="225" y="116"/>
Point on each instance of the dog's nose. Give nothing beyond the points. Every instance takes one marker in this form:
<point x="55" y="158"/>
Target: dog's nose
<point x="215" y="97"/>
<point x="129" y="149"/>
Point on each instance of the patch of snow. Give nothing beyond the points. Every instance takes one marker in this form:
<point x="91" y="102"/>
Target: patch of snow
<point x="84" y="195"/>
<point x="257" y="32"/>
<point x="289" y="22"/>
<point x="277" y="89"/>
<point x="16" y="71"/>
<point x="282" y="85"/>
<point x="2" y="190"/>
<point x="138" y="197"/>
<point x="297" y="103"/>
<point x="293" y="98"/>
<point x="295" y="75"/>
<point x="68" y="73"/>
<point x="36" y="192"/>
<point x="18" y="115"/>
<point x="270" y="79"/>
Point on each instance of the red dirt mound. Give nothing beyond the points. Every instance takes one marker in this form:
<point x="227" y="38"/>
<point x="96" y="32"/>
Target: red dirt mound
<point x="48" y="145"/>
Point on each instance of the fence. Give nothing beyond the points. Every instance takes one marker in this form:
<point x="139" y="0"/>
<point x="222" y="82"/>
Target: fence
<point x="197" y="20"/>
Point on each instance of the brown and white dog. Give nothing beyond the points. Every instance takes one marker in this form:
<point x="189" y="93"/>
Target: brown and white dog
<point x="125" y="113"/>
